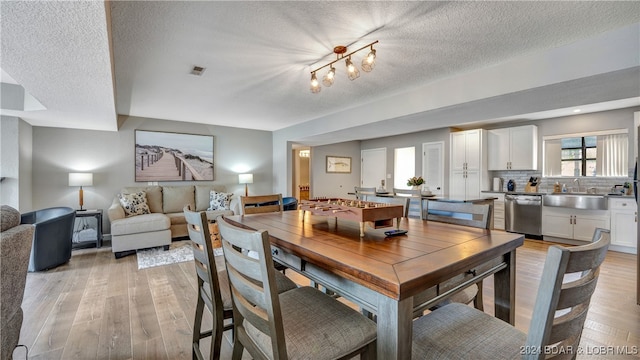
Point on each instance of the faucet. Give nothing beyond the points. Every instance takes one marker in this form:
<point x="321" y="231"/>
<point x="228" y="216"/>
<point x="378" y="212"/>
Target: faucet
<point x="576" y="180"/>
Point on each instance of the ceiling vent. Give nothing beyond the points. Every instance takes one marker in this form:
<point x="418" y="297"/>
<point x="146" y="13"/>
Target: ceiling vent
<point x="197" y="70"/>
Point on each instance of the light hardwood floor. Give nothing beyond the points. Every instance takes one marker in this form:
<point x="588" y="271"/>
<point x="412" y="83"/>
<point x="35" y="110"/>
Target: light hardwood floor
<point x="96" y="307"/>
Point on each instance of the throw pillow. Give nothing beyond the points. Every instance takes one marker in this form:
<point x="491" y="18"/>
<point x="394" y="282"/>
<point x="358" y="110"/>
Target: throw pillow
<point x="134" y="203"/>
<point x="219" y="201"/>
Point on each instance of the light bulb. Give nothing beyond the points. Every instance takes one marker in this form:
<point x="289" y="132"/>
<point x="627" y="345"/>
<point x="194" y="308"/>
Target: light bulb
<point x="369" y="62"/>
<point x="315" y="86"/>
<point x="352" y="71"/>
<point x="328" y="78"/>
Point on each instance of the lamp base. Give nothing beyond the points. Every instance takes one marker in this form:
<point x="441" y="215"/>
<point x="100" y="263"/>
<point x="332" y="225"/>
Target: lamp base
<point x="81" y="209"/>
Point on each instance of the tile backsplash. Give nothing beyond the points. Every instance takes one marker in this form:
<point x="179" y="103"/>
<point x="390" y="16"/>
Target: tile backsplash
<point x="602" y="184"/>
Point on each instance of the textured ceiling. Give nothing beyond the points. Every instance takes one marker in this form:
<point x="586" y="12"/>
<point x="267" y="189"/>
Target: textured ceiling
<point x="258" y="54"/>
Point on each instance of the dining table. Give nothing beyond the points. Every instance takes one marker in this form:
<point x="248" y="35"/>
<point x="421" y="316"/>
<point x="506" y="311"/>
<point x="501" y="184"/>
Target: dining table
<point x="383" y="275"/>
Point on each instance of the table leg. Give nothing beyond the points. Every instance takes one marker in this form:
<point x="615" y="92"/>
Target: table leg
<point x="361" y="228"/>
<point x="505" y="290"/>
<point x="398" y="223"/>
<point x="395" y="328"/>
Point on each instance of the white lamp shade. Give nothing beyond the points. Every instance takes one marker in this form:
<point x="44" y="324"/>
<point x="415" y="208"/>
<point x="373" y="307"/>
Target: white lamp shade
<point x="80" y="179"/>
<point x="245" y="178"/>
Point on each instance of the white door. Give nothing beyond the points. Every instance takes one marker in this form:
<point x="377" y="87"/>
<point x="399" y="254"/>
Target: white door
<point x="373" y="168"/>
<point x="433" y="166"/>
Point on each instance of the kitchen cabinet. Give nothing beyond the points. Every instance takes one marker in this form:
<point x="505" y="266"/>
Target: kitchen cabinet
<point x="624" y="219"/>
<point x="514" y="148"/>
<point x="468" y="162"/>
<point x="573" y="224"/>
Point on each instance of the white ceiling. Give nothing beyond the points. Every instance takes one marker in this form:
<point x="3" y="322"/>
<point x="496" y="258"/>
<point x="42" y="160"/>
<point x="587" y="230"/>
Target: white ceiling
<point x="88" y="62"/>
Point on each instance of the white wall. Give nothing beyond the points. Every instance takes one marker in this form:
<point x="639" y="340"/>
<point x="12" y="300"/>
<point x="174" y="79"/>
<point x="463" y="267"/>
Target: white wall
<point x="9" y="161"/>
<point x="25" y="173"/>
<point x="109" y="155"/>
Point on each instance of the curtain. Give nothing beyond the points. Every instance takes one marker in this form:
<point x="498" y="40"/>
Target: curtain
<point x="612" y="155"/>
<point x="552" y="157"/>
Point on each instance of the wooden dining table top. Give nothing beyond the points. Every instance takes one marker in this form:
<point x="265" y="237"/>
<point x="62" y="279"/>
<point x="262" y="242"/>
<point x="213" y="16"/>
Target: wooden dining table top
<point x="399" y="266"/>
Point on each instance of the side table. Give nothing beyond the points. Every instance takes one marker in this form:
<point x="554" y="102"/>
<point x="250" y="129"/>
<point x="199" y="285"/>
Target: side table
<point x="87" y="229"/>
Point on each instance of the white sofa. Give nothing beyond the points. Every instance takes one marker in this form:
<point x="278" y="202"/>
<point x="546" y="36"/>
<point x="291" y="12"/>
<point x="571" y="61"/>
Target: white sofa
<point x="166" y="220"/>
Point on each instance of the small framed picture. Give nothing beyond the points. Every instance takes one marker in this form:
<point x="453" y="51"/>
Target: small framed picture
<point x="338" y="164"/>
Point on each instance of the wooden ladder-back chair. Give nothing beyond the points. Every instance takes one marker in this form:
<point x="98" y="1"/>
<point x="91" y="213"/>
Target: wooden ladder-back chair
<point x="467" y="214"/>
<point x="411" y="194"/>
<point x="361" y="192"/>
<point x="213" y="285"/>
<point x="456" y="331"/>
<point x="302" y="323"/>
<point x="261" y="204"/>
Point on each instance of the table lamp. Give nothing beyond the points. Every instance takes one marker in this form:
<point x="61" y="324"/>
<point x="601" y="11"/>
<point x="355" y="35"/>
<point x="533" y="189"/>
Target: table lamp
<point x="81" y="179"/>
<point x="245" y="179"/>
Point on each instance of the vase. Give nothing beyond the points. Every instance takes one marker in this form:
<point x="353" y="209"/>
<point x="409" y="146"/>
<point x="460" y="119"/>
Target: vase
<point x="416" y="187"/>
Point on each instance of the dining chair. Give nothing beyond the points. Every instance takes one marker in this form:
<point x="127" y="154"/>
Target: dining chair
<point x="361" y="191"/>
<point x="412" y="194"/>
<point x="261" y="204"/>
<point x="459" y="213"/>
<point x="213" y="285"/>
<point x="456" y="331"/>
<point x="302" y="323"/>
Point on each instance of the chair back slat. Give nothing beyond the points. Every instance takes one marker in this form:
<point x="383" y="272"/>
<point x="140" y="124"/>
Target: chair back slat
<point x="568" y="324"/>
<point x="237" y="242"/>
<point x="261" y="204"/>
<point x="411" y="194"/>
<point x="577" y="292"/>
<point x="240" y="260"/>
<point x="562" y="302"/>
<point x="467" y="214"/>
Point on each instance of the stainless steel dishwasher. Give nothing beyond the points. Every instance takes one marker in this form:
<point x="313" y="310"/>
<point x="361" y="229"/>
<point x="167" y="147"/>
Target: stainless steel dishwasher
<point x="523" y="214"/>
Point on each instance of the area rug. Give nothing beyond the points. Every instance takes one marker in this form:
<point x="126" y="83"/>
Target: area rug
<point x="179" y="251"/>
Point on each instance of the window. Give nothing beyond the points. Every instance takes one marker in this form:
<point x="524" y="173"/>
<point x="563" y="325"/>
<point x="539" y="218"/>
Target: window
<point x="578" y="156"/>
<point x="404" y="166"/>
<point x="593" y="154"/>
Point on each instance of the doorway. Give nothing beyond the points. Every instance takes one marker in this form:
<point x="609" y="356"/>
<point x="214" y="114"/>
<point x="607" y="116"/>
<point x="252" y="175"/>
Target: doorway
<point x="301" y="172"/>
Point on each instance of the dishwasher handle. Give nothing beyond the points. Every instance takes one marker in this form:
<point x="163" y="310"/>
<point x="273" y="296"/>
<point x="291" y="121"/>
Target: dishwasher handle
<point x="524" y="199"/>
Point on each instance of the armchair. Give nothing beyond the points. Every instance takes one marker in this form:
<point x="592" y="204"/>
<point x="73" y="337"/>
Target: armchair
<point x="15" y="246"/>
<point x="52" y="238"/>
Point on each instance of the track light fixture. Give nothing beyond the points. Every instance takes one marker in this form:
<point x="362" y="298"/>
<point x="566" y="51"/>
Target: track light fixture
<point x="368" y="63"/>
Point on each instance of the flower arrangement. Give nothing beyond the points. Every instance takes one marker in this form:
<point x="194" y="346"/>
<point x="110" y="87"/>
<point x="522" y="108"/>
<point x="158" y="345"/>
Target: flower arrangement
<point x="415" y="181"/>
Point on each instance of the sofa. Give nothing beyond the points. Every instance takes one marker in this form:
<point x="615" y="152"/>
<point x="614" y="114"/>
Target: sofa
<point x="150" y="216"/>
<point x="52" y="239"/>
<point x="15" y="248"/>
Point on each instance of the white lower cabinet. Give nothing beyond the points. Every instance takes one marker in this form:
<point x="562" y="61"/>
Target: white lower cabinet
<point x="624" y="219"/>
<point x="498" y="210"/>
<point x="573" y="224"/>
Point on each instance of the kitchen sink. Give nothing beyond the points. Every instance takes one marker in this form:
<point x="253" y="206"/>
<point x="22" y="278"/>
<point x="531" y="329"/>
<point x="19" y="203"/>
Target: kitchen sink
<point x="574" y="200"/>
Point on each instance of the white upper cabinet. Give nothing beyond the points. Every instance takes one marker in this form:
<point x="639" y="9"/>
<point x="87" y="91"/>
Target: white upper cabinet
<point x="468" y="164"/>
<point x="514" y="148"/>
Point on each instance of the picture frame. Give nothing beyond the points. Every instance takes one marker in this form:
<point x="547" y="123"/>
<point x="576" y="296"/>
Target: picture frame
<point x="169" y="156"/>
<point x="338" y="164"/>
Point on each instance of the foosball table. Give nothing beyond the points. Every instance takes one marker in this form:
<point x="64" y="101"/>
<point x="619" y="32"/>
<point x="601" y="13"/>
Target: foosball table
<point x="377" y="215"/>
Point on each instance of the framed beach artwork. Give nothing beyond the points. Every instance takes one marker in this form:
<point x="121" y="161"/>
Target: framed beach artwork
<point x="338" y="164"/>
<point x="166" y="156"/>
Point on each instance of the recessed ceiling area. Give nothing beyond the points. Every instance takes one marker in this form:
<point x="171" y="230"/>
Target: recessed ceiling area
<point x="90" y="62"/>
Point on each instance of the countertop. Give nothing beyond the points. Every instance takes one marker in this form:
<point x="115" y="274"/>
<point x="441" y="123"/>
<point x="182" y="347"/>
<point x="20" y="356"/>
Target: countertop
<point x="549" y="193"/>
